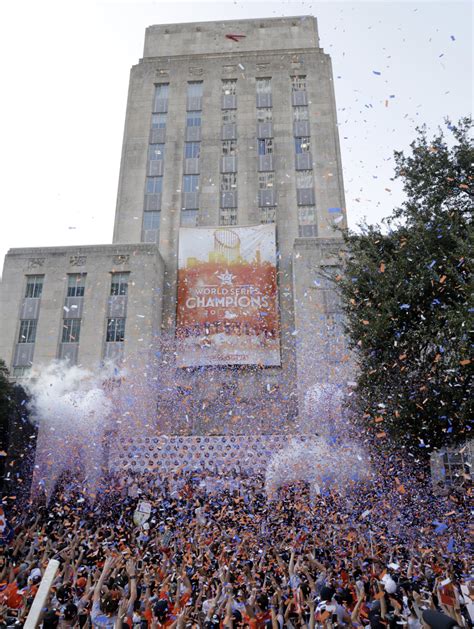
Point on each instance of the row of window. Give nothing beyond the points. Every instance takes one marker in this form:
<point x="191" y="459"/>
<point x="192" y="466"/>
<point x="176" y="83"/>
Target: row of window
<point x="307" y="219"/>
<point x="76" y="283"/>
<point x="72" y="329"/>
<point x="228" y="88"/>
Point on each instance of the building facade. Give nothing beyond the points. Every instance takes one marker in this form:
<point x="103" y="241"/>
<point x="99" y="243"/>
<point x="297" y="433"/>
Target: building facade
<point x="228" y="124"/>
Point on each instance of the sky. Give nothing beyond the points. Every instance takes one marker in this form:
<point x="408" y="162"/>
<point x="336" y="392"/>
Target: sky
<point x="65" y="70"/>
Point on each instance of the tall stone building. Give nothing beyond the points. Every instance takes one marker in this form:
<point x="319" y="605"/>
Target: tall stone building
<point x="228" y="124"/>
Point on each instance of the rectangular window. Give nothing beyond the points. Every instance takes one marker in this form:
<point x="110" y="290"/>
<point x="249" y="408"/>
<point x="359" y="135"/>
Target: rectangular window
<point x="76" y="283"/>
<point x="307" y="224"/>
<point x="158" y="121"/>
<point x="267" y="215"/>
<point x="266" y="180"/>
<point x="229" y="147"/>
<point x="189" y="218"/>
<point x="160" y="103"/>
<point x="304" y="179"/>
<point x="264" y="114"/>
<point x="229" y="116"/>
<point x="229" y="86"/>
<point x="119" y="284"/>
<point x="154" y="185"/>
<point x="193" y="118"/>
<point x="71" y="331"/>
<point x="264" y="86"/>
<point x="190" y="183"/>
<point x="21" y="372"/>
<point x="302" y="145"/>
<point x="156" y="151"/>
<point x="27" y="331"/>
<point x="228" y="182"/>
<point x="300" y="114"/>
<point x="162" y="90"/>
<point x="34" y="286"/>
<point x="192" y="149"/>
<point x="194" y="89"/>
<point x="115" y="330"/>
<point x="298" y="83"/>
<point x="265" y="146"/>
<point x="151" y="220"/>
<point x="228" y="216"/>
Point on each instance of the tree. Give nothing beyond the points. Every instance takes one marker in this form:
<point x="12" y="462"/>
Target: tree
<point x="17" y="436"/>
<point x="406" y="293"/>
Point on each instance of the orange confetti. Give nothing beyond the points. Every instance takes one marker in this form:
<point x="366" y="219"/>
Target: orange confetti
<point x="401" y="489"/>
<point x="365" y="322"/>
<point x="442" y="279"/>
<point x="381" y="435"/>
<point x="465" y="362"/>
<point x="402" y="356"/>
<point x="382" y="267"/>
<point x="378" y="419"/>
<point x="464" y="186"/>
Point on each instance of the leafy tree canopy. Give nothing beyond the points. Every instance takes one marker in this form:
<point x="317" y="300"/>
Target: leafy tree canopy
<point x="407" y="295"/>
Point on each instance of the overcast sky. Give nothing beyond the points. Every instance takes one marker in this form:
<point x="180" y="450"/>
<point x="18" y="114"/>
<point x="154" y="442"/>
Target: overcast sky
<point x="65" y="68"/>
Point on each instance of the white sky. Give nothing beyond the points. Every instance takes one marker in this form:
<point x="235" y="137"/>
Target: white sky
<point x="65" y="68"/>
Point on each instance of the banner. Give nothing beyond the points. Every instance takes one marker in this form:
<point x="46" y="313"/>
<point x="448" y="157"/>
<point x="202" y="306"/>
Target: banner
<point x="227" y="297"/>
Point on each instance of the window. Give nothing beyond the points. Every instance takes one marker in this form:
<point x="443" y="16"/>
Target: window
<point x="115" y="330"/>
<point x="298" y="83"/>
<point x="158" y="121"/>
<point x="304" y="179"/>
<point x="189" y="218"/>
<point x="162" y="90"/>
<point x="228" y="216"/>
<point x="267" y="215"/>
<point x="192" y="149"/>
<point x="161" y="96"/>
<point x="154" y="185"/>
<point x="194" y="89"/>
<point x="307" y="224"/>
<point x="302" y="145"/>
<point x="266" y="180"/>
<point x="264" y="86"/>
<point x="34" y="286"/>
<point x="193" y="118"/>
<point x="71" y="331"/>
<point x="27" y="331"/>
<point x="151" y="220"/>
<point x="229" y="86"/>
<point x="300" y="114"/>
<point x="228" y="182"/>
<point x="229" y="147"/>
<point x="20" y="372"/>
<point x="76" y="283"/>
<point x="119" y="284"/>
<point x="264" y="114"/>
<point x="229" y="116"/>
<point x="190" y="183"/>
<point x="265" y="146"/>
<point x="156" y="151"/>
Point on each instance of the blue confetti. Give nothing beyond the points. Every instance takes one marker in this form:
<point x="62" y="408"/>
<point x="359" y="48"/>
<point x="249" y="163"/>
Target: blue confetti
<point x="404" y="306"/>
<point x="333" y="210"/>
<point x="377" y="73"/>
<point x="453" y="38"/>
<point x="450" y="547"/>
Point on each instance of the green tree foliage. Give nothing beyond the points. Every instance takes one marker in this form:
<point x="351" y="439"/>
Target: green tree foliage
<point x="407" y="295"/>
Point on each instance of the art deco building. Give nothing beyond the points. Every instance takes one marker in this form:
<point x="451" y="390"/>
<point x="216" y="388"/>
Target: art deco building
<point x="228" y="124"/>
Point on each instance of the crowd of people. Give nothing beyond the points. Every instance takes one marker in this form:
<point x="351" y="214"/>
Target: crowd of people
<point x="190" y="550"/>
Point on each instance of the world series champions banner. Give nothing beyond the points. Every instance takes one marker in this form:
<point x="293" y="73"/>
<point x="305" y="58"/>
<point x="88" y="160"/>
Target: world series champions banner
<point x="227" y="297"/>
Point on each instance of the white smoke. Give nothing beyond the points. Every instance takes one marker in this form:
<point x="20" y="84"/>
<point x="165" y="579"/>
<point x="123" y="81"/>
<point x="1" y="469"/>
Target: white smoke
<point x="68" y="398"/>
<point x="70" y="406"/>
<point x="316" y="462"/>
